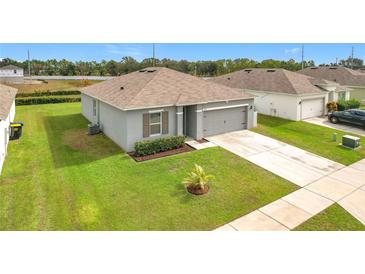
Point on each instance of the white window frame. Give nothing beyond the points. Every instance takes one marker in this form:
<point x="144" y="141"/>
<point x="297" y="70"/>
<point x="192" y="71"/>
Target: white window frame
<point x="159" y="123"/>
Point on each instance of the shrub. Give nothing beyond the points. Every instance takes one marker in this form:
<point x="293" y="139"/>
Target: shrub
<point x="332" y="106"/>
<point x="148" y="147"/>
<point x="353" y="103"/>
<point x="47" y="93"/>
<point x="197" y="179"/>
<point x="45" y="100"/>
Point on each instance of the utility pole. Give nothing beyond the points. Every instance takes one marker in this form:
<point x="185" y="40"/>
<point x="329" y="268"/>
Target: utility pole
<point x="153" y="54"/>
<point x="30" y="76"/>
<point x="352" y="58"/>
<point x="302" y="56"/>
<point x="336" y="61"/>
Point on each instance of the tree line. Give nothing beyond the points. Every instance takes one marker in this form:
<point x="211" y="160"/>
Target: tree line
<point x="128" y="64"/>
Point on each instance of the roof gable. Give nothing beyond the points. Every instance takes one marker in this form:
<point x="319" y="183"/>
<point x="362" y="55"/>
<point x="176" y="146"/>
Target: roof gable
<point x="9" y="67"/>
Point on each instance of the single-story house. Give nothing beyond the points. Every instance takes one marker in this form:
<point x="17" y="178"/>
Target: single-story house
<point x="11" y="74"/>
<point x="353" y="80"/>
<point x="283" y="93"/>
<point x="7" y="114"/>
<point x="157" y="101"/>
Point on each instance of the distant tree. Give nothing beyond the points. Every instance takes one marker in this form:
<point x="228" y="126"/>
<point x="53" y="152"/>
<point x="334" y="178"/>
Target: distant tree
<point x="357" y="63"/>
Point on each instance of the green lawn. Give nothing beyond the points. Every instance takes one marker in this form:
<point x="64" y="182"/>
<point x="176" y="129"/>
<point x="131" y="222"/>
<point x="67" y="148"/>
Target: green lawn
<point x="58" y="178"/>
<point x="313" y="138"/>
<point x="334" y="218"/>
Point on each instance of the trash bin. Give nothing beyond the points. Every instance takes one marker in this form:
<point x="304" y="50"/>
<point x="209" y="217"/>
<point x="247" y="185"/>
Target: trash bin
<point x="16" y="130"/>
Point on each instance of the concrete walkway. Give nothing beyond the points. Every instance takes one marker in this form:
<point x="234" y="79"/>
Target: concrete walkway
<point x="195" y="144"/>
<point x="294" y="164"/>
<point x="346" y="187"/>
<point x="323" y="121"/>
<point x="324" y="182"/>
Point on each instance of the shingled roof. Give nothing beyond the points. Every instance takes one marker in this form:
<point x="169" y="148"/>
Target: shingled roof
<point x="9" y="67"/>
<point x="158" y="86"/>
<point x="338" y="74"/>
<point x="271" y="80"/>
<point x="7" y="96"/>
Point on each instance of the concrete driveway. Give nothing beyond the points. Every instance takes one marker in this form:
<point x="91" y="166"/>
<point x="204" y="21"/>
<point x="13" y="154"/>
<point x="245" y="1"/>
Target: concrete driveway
<point x="323" y="121"/>
<point x="289" y="162"/>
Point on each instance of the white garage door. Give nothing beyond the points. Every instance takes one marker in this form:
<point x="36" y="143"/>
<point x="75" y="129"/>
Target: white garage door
<point x="312" y="108"/>
<point x="224" y="120"/>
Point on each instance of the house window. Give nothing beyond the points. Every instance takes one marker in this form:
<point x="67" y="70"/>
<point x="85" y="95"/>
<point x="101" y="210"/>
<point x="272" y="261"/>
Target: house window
<point x="155" y="123"/>
<point x="342" y="95"/>
<point x="94" y="107"/>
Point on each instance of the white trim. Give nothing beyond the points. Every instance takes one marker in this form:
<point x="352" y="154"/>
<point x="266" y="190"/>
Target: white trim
<point x="155" y="111"/>
<point x="159" y="123"/>
<point x="225" y="107"/>
<point x="179" y="113"/>
<point x="199" y="110"/>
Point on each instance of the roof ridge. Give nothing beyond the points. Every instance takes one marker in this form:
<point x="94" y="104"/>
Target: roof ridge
<point x="284" y="71"/>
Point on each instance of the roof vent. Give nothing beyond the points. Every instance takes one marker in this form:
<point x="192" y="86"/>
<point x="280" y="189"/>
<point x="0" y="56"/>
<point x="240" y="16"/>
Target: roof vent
<point x="121" y="88"/>
<point x="314" y="68"/>
<point x="333" y="68"/>
<point x="142" y="70"/>
<point x="248" y="70"/>
<point x="151" y="70"/>
<point x="229" y="78"/>
<point x="271" y="70"/>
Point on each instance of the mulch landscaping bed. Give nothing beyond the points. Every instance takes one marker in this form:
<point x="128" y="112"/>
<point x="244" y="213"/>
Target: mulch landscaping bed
<point x="183" y="149"/>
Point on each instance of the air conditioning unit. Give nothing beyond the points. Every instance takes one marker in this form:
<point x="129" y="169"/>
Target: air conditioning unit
<point x="93" y="129"/>
<point x="350" y="141"/>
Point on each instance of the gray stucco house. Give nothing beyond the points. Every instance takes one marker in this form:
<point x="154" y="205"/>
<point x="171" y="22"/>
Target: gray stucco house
<point x="156" y="102"/>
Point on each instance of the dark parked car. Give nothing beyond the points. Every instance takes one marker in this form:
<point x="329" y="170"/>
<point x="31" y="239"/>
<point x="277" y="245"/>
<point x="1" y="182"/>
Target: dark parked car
<point x="351" y="116"/>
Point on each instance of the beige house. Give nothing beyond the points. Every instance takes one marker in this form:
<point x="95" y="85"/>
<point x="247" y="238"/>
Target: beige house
<point x="283" y="93"/>
<point x="353" y="80"/>
<point x="156" y="102"/>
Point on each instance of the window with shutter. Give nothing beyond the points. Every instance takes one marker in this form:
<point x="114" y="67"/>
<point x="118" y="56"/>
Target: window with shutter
<point x="165" y="122"/>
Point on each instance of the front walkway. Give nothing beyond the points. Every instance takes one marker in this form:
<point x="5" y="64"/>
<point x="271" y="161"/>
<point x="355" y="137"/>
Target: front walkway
<point x="294" y="164"/>
<point x="323" y="121"/>
<point x="323" y="182"/>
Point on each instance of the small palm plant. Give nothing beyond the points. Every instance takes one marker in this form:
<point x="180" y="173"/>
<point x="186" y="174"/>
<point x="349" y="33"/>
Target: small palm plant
<point x="197" y="182"/>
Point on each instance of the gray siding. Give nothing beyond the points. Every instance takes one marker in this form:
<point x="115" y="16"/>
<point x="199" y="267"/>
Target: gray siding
<point x="113" y="123"/>
<point x="135" y="125"/>
<point x="190" y="123"/>
<point x="87" y="107"/>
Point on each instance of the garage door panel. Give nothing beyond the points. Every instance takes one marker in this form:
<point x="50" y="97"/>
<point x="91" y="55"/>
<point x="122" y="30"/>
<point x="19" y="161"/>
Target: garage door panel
<point x="312" y="108"/>
<point x="224" y="120"/>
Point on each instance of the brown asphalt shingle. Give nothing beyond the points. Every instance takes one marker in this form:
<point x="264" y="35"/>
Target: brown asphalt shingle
<point x="7" y="96"/>
<point x="9" y="67"/>
<point x="271" y="80"/>
<point x="338" y="74"/>
<point x="157" y="86"/>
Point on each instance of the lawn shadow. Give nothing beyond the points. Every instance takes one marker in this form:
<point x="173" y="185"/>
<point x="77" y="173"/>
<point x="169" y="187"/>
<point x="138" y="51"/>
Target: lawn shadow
<point x="181" y="192"/>
<point x="70" y="145"/>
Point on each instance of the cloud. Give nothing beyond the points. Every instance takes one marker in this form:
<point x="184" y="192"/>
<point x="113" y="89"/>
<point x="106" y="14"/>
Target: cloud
<point x="293" y="51"/>
<point x="124" y="50"/>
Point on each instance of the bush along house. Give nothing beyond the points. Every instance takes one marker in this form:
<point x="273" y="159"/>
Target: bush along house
<point x="157" y="102"/>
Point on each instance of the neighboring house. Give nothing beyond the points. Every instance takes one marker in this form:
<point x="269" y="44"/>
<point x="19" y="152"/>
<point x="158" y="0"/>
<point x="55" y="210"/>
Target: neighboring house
<point x="155" y="102"/>
<point x="352" y="79"/>
<point x="11" y="74"/>
<point x="283" y="93"/>
<point x="7" y="113"/>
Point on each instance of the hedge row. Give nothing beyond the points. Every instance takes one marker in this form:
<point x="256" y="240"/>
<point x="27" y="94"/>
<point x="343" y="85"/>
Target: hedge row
<point x="45" y="100"/>
<point x="143" y="148"/>
<point x="48" y="93"/>
<point x="352" y="103"/>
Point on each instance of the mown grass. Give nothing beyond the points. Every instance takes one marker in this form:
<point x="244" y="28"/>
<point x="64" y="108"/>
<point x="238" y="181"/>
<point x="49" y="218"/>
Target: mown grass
<point x="58" y="178"/>
<point x="310" y="137"/>
<point x="53" y="85"/>
<point x="334" y="218"/>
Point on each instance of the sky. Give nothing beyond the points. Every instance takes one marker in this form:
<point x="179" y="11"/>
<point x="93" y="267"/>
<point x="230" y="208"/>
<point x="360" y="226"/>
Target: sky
<point x="320" y="53"/>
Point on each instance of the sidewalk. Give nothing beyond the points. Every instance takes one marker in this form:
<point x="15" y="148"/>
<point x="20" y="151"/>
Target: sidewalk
<point x="345" y="186"/>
